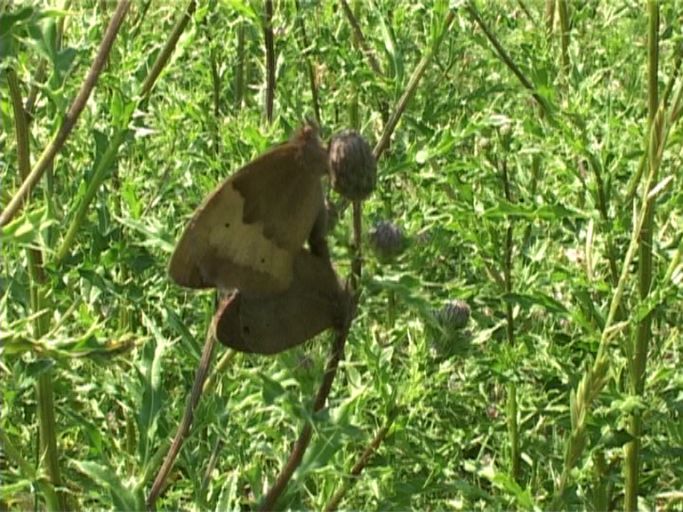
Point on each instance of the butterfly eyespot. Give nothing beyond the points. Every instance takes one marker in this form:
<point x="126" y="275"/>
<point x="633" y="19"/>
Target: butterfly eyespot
<point x="227" y="224"/>
<point x="263" y="260"/>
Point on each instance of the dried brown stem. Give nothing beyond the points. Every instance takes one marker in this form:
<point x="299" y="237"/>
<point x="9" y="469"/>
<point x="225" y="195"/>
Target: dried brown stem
<point x="119" y="136"/>
<point x="505" y="57"/>
<point x="360" y="38"/>
<point x="359" y="466"/>
<point x="186" y="422"/>
<point x="410" y="90"/>
<point x="19" y="198"/>
<point x="167" y="50"/>
<point x="309" y="64"/>
<point x="299" y="448"/>
<point x="358" y="252"/>
<point x="270" y="59"/>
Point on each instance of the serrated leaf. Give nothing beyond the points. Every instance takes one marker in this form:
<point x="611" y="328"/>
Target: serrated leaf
<point x="544" y="212"/>
<point x="105" y="477"/>
<point x="526" y="300"/>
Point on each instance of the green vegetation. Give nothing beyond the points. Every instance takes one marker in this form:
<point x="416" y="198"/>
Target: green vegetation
<point x="533" y="169"/>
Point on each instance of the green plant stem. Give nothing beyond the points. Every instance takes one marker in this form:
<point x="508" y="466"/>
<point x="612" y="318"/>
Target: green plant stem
<point x="167" y="50"/>
<point x="513" y="427"/>
<point x="513" y="430"/>
<point x="549" y="18"/>
<point x="239" y="67"/>
<point x="632" y="187"/>
<point x="48" y="454"/>
<point x="357" y="262"/>
<point x="140" y="18"/>
<point x="601" y="485"/>
<point x="216" y="87"/>
<point x="675" y="261"/>
<point x="526" y="11"/>
<point x="103" y="167"/>
<point x="595" y="376"/>
<point x="219" y="370"/>
<point x="411" y="88"/>
<point x="216" y="82"/>
<point x="48" y="155"/>
<point x="109" y="156"/>
<point x="638" y="352"/>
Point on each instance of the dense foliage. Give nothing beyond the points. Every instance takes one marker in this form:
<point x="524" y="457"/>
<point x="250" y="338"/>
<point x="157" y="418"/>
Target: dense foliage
<point x="526" y="205"/>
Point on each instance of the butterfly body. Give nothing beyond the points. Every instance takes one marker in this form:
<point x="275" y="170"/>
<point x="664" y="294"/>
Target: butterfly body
<point x="247" y="233"/>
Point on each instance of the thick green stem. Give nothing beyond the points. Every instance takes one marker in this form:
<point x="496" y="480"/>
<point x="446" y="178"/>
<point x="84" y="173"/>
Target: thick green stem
<point x="98" y="177"/>
<point x="513" y="427"/>
<point x="359" y="38"/>
<point x="638" y="352"/>
<point x="513" y="430"/>
<point x="595" y="377"/>
<point x="239" y="67"/>
<point x="505" y="57"/>
<point x="167" y="50"/>
<point x="48" y="455"/>
<point x="358" y="467"/>
<point x="411" y="88"/>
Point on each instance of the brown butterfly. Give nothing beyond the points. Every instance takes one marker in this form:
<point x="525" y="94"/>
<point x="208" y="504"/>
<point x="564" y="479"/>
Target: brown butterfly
<point x="248" y="232"/>
<point x="315" y="301"/>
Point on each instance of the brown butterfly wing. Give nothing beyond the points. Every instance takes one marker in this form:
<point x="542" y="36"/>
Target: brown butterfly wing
<point x="246" y="232"/>
<point x="314" y="302"/>
<point x="289" y="196"/>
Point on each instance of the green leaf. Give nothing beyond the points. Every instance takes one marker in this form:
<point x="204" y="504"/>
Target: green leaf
<point x="244" y="8"/>
<point x="27" y="229"/>
<point x="9" y="19"/>
<point x="155" y="236"/>
<point x="544" y="212"/>
<point x="527" y="300"/>
<point x="153" y="394"/>
<point x="106" y="478"/>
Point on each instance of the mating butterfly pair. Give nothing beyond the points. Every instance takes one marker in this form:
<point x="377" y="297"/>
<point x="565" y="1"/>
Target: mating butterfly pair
<point x="248" y="236"/>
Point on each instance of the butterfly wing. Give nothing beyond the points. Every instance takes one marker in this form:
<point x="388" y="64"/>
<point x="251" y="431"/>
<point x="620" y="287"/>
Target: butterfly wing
<point x="314" y="302"/>
<point x="248" y="230"/>
<point x="288" y="196"/>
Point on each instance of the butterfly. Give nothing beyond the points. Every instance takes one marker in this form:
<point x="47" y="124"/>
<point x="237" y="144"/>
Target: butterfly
<point x="315" y="301"/>
<point x="248" y="232"/>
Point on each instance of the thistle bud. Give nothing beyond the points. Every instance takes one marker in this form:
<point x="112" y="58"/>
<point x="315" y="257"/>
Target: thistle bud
<point x="387" y="240"/>
<point x="454" y="315"/>
<point x="353" y="169"/>
<point x="449" y="338"/>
